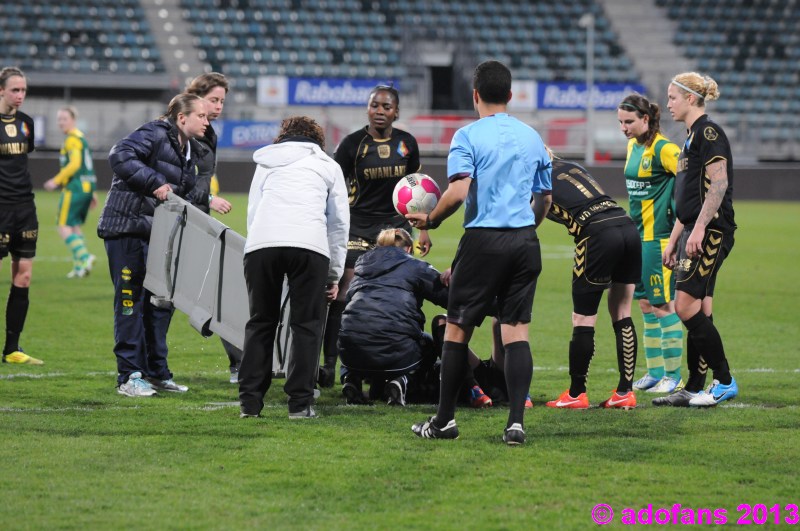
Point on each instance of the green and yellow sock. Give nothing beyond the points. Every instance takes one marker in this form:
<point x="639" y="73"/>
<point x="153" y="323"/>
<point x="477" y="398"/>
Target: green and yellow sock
<point x="672" y="344"/>
<point x="77" y="246"/>
<point x="652" y="346"/>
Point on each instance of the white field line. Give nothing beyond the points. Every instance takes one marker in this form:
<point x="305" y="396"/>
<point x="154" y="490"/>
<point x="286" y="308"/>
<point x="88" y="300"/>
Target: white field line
<point x="218" y="406"/>
<point x="562" y="368"/>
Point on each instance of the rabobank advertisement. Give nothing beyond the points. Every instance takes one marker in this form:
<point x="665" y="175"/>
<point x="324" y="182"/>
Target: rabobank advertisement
<point x="279" y="91"/>
<point x="573" y="96"/>
<point x="330" y="91"/>
<point x="245" y="134"/>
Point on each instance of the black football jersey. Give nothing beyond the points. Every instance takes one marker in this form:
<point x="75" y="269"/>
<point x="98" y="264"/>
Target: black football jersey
<point x="578" y="198"/>
<point x="372" y="168"/>
<point x="16" y="141"/>
<point x="705" y="144"/>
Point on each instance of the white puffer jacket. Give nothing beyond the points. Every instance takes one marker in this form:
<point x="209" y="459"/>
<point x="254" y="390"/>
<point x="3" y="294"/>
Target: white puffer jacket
<point x="298" y="198"/>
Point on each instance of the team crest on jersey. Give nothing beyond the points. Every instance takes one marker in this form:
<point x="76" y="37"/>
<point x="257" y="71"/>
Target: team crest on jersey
<point x="684" y="264"/>
<point x="384" y="151"/>
<point x="646" y="163"/>
<point x="402" y="150"/>
<point x="11" y="130"/>
<point x="710" y="133"/>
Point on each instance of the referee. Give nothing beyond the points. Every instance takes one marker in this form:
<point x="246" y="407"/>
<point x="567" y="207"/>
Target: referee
<point x="702" y="238"/>
<point x="494" y="165"/>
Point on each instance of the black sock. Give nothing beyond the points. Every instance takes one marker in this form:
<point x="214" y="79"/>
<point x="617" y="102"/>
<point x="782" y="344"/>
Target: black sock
<point x="16" y="312"/>
<point x="697" y="367"/>
<point x="581" y="350"/>
<point x="519" y="371"/>
<point x="706" y="338"/>
<point x="329" y="349"/>
<point x="454" y="370"/>
<point x="627" y="345"/>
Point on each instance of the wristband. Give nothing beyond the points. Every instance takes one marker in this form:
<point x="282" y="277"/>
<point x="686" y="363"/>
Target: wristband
<point x="210" y="197"/>
<point x="429" y="224"/>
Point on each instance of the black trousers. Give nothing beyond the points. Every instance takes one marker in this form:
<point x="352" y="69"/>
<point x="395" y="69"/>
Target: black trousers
<point x="264" y="271"/>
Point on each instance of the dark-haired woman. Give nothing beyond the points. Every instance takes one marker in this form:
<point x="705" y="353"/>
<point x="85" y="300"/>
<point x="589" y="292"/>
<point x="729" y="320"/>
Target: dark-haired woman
<point x="213" y="88"/>
<point x="297" y="220"/>
<point x="650" y="170"/>
<point x="372" y="159"/>
<point x="156" y="159"/>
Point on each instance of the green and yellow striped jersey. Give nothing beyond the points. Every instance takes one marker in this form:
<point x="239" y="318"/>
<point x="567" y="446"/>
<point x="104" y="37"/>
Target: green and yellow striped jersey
<point x="650" y="180"/>
<point x="77" y="169"/>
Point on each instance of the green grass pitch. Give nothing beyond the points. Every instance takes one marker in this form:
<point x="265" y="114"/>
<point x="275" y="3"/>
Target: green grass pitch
<point x="76" y="455"/>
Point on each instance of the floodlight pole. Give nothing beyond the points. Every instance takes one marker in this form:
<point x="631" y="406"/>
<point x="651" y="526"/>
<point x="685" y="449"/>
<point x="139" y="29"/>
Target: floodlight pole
<point x="587" y="21"/>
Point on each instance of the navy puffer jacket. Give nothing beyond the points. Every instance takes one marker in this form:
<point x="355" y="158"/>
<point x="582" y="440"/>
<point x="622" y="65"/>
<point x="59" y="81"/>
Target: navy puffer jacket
<point x="143" y="161"/>
<point x="383" y="321"/>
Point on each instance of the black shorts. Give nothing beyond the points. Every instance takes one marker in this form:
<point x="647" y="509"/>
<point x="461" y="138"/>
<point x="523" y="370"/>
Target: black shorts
<point x="697" y="276"/>
<point x="494" y="266"/>
<point x="609" y="251"/>
<point x="19" y="230"/>
<point x="364" y="235"/>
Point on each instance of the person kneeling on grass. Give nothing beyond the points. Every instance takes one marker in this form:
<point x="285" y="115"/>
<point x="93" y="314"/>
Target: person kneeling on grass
<point x="389" y="287"/>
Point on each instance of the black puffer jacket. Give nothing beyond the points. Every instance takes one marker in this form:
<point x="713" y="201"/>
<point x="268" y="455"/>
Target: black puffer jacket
<point x="143" y="161"/>
<point x="206" y="167"/>
<point x="383" y="321"/>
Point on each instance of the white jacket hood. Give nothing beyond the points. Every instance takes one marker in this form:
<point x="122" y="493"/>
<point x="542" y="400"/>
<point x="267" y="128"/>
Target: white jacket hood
<point x="284" y="154"/>
<point x="298" y="198"/>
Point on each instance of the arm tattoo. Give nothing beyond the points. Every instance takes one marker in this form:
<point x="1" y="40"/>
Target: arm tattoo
<point x="717" y="173"/>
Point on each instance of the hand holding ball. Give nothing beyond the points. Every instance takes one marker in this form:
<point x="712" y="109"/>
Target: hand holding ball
<point x="415" y="193"/>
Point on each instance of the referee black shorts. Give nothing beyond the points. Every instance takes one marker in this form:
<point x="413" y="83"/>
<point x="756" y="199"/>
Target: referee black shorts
<point x="494" y="266"/>
<point x="19" y="230"/>
<point x="697" y="276"/>
<point x="606" y="252"/>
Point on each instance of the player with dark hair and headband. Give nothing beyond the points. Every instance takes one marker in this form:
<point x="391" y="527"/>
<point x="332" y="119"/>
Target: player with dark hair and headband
<point x="19" y="226"/>
<point x="650" y="168"/>
<point x="702" y="238"/>
<point x="372" y="159"/>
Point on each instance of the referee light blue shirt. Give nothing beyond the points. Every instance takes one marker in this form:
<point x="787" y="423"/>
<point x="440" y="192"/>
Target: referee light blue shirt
<point x="507" y="161"/>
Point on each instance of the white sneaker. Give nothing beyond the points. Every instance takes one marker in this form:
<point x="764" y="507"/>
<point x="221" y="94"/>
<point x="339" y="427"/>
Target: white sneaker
<point x="645" y="382"/>
<point x="78" y="272"/>
<point x="136" y="386"/>
<point x="89" y="263"/>
<point x="667" y="384"/>
<point x="234" y="376"/>
<point x="167" y="385"/>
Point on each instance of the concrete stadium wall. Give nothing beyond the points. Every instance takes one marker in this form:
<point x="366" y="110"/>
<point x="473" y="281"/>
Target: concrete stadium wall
<point x="764" y="181"/>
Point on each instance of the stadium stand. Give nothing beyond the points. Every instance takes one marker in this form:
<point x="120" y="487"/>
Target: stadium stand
<point x="350" y="38"/>
<point x="323" y="38"/>
<point x="752" y="49"/>
<point x="87" y="37"/>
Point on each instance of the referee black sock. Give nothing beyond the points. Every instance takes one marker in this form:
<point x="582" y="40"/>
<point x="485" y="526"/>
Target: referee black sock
<point x="16" y="312"/>
<point x="627" y="346"/>
<point x="519" y="371"/>
<point x="706" y="338"/>
<point x="581" y="351"/>
<point x="454" y="371"/>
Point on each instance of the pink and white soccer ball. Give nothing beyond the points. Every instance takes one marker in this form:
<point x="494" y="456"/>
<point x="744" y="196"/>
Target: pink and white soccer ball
<point x="415" y="193"/>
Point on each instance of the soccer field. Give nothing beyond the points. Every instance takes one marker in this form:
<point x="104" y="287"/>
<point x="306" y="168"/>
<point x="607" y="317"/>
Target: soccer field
<point x="74" y="454"/>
